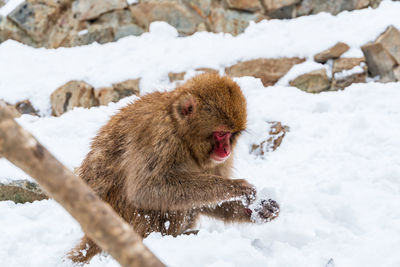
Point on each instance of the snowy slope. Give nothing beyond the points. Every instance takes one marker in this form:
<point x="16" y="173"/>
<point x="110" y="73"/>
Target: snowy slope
<point x="336" y="174"/>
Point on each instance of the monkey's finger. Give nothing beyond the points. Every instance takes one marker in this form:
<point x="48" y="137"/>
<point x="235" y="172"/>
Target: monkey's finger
<point x="268" y="210"/>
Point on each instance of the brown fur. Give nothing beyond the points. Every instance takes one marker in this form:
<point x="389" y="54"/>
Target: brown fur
<point x="151" y="161"/>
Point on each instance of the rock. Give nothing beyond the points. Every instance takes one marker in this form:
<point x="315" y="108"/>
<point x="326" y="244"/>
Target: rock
<point x="231" y="21"/>
<point x="347" y="71"/>
<point x="341" y="64"/>
<point x="341" y="83"/>
<point x="55" y="23"/>
<point x="272" y="5"/>
<point x="54" y="3"/>
<point x="202" y="27"/>
<point x="108" y="27"/>
<point x="25" y="107"/>
<point x="106" y="95"/>
<point x="70" y="95"/>
<point x="334" y="7"/>
<point x="22" y="107"/>
<point x="268" y="70"/>
<point x="176" y="76"/>
<point x="313" y="82"/>
<point x="9" y="30"/>
<point x="383" y="56"/>
<point x="396" y="73"/>
<point x="127" y="88"/>
<point x="34" y="19"/>
<point x="171" y="12"/>
<point x="331" y="53"/>
<point x="93" y="34"/>
<point x="179" y="76"/>
<point x="200" y="7"/>
<point x="14" y="112"/>
<point x="375" y="3"/>
<point x="307" y="7"/>
<point x="61" y="31"/>
<point x="362" y="4"/>
<point x="121" y="22"/>
<point x="207" y="70"/>
<point x="126" y="30"/>
<point x="2" y="3"/>
<point x="247" y="5"/>
<point x="390" y="41"/>
<point x="379" y="61"/>
<point x="286" y="12"/>
<point x="276" y="134"/>
<point x="21" y="191"/>
<point x="2" y="33"/>
<point x="91" y="9"/>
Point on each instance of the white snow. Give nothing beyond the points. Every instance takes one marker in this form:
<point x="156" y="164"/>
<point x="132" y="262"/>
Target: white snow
<point x="83" y="32"/>
<point x="336" y="175"/>
<point x="345" y="73"/>
<point x="131" y="2"/>
<point x="302" y="68"/>
<point x="9" y="6"/>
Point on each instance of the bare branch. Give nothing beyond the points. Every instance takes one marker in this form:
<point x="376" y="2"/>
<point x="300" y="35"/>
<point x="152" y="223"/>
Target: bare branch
<point x="98" y="220"/>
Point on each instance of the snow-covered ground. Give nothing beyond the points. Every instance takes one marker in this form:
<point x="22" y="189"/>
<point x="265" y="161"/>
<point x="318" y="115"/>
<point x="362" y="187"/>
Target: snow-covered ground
<point x="336" y="174"/>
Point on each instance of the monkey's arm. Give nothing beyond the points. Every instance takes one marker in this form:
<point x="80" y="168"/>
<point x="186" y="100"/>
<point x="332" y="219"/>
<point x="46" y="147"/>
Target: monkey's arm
<point x="230" y="211"/>
<point x="185" y="190"/>
<point x="236" y="211"/>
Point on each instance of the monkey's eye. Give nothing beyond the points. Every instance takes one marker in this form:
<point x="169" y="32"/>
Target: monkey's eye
<point x="236" y="133"/>
<point x="222" y="134"/>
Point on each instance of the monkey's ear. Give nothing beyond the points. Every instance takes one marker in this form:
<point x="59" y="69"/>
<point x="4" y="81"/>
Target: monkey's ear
<point x="186" y="106"/>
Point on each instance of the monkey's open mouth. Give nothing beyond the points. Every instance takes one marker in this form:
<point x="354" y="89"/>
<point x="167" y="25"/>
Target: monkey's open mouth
<point x="220" y="159"/>
<point x="222" y="147"/>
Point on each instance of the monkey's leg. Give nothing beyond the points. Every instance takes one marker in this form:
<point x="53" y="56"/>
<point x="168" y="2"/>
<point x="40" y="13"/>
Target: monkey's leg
<point x="191" y="232"/>
<point x="85" y="251"/>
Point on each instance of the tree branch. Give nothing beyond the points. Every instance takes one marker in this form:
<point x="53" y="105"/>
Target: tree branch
<point x="98" y="220"/>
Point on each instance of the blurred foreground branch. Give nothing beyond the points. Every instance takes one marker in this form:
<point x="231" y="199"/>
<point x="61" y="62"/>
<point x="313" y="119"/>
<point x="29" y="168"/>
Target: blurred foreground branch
<point x="98" y="220"/>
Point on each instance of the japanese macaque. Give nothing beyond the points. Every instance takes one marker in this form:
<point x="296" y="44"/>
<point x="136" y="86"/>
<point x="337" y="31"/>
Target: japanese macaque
<point x="166" y="159"/>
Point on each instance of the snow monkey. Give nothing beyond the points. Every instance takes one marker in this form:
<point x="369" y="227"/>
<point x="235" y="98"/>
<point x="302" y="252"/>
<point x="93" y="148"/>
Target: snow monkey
<point x="165" y="159"/>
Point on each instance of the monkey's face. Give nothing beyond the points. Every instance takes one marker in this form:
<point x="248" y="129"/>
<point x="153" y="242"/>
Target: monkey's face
<point x="211" y="113"/>
<point x="222" y="146"/>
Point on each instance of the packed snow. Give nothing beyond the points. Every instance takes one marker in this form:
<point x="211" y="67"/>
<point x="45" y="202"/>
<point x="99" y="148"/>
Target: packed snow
<point x="336" y="175"/>
<point x="302" y="68"/>
<point x="9" y="6"/>
<point x="345" y="73"/>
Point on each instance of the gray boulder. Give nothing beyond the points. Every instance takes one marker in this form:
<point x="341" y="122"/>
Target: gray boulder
<point x="21" y="191"/>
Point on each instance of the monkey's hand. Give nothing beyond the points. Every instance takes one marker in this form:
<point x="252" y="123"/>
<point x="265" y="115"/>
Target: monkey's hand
<point x="244" y="189"/>
<point x="266" y="211"/>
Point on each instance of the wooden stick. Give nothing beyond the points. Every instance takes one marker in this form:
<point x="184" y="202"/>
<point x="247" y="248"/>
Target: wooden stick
<point x="98" y="220"/>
